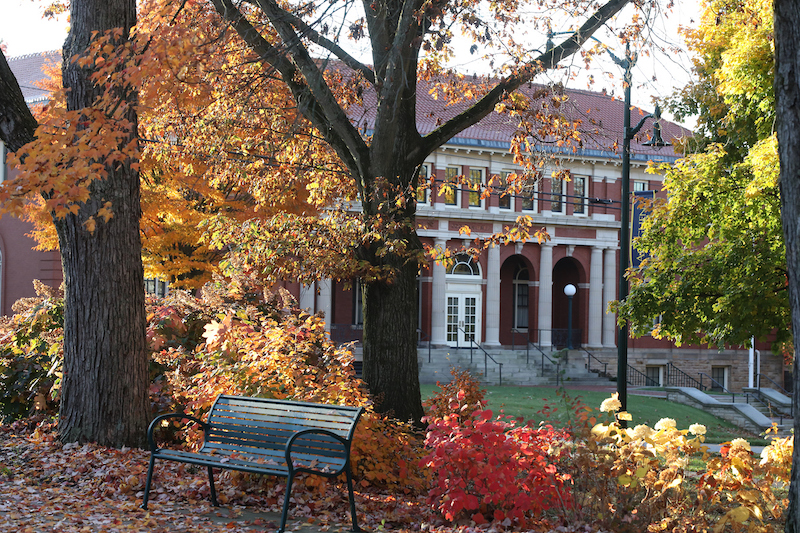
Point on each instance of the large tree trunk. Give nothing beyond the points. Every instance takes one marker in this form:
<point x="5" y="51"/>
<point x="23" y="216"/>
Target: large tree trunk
<point x="390" y="341"/>
<point x="17" y="125"/>
<point x="104" y="390"/>
<point x="787" y="102"/>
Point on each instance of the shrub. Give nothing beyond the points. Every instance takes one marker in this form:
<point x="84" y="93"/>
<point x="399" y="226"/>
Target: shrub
<point x="488" y="468"/>
<point x="31" y="348"/>
<point x="236" y="338"/>
<point x="641" y="479"/>
<point x="463" y="392"/>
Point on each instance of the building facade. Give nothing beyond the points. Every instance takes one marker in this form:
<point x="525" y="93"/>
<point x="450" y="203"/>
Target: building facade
<point x="511" y="295"/>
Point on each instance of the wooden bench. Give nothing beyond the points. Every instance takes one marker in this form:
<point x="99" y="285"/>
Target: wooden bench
<point x="264" y="436"/>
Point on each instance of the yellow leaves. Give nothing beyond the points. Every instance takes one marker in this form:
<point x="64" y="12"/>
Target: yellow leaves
<point x="90" y="224"/>
<point x="105" y="212"/>
<point x="611" y="404"/>
<point x="738" y="515"/>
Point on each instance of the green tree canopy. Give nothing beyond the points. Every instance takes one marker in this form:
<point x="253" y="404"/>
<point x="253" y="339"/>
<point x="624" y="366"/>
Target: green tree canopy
<point x="716" y="271"/>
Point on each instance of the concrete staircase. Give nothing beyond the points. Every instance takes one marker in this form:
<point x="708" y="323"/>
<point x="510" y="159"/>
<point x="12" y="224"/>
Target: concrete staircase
<point x="753" y="410"/>
<point x="518" y="366"/>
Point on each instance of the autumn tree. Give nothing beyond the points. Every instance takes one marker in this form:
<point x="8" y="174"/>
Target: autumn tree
<point x="715" y="270"/>
<point x="407" y="42"/>
<point x="786" y="16"/>
<point x="218" y="138"/>
<point x="90" y="185"/>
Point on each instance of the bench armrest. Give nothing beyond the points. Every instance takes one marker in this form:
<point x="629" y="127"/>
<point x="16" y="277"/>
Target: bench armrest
<point x="345" y="448"/>
<point x="157" y="421"/>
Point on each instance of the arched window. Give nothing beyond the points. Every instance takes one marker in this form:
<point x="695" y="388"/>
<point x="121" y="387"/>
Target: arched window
<point x="465" y="265"/>
<point x="521" y="279"/>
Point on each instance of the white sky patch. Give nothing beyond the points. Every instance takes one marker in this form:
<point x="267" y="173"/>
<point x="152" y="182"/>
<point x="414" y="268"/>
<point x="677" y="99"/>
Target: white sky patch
<point x="24" y="31"/>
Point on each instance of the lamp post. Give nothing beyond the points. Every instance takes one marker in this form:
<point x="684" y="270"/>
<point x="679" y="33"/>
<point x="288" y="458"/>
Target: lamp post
<point x="625" y="223"/>
<point x="569" y="290"/>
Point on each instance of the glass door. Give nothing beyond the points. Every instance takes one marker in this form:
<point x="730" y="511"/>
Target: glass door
<point x="462" y="319"/>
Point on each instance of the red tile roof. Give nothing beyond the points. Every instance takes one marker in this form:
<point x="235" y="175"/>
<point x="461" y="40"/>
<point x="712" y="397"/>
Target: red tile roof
<point x="600" y="116"/>
<point x="29" y="69"/>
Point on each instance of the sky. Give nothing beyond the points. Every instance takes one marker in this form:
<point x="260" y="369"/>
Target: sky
<point x="24" y="31"/>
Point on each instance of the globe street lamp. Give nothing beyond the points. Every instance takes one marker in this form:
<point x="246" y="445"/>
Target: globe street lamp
<point x="569" y="290"/>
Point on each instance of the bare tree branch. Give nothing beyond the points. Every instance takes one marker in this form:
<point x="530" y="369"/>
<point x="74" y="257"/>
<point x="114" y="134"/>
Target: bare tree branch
<point x="548" y="60"/>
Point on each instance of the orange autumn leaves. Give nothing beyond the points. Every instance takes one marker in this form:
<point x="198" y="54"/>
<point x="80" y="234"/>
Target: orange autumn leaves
<point x="217" y="137"/>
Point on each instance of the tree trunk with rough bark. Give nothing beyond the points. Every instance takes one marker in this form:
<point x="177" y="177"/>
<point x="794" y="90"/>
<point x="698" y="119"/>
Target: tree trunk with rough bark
<point x="104" y="392"/>
<point x="787" y="101"/>
<point x="17" y="125"/>
<point x="383" y="164"/>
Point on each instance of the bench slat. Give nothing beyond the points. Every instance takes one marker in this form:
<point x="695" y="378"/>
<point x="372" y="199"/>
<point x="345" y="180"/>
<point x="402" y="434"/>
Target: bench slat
<point x="225" y="449"/>
<point x="293" y="424"/>
<point x="286" y="405"/>
<point x="220" y="461"/>
<point x="260" y="414"/>
<point x="300" y="446"/>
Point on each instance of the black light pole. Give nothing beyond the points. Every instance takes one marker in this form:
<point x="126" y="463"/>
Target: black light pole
<point x="625" y="222"/>
<point x="569" y="290"/>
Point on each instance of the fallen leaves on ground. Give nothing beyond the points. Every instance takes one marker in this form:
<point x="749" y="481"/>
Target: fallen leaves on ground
<point x="46" y="486"/>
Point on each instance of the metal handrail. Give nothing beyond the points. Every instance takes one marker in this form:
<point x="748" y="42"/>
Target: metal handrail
<point x="758" y="384"/>
<point x="486" y="355"/>
<point x="514" y="333"/>
<point x="422" y="337"/>
<point x="637" y="378"/>
<point x="718" y="384"/>
<point x="589" y="362"/>
<point x="784" y="391"/>
<point x="557" y="363"/>
<point x="685" y="379"/>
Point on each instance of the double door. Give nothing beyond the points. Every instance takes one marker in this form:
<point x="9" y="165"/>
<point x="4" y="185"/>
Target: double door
<point x="463" y="319"/>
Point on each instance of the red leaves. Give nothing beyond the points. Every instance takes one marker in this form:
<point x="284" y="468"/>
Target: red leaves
<point x="484" y="465"/>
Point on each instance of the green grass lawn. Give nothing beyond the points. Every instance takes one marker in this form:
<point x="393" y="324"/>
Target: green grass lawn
<point x="529" y="402"/>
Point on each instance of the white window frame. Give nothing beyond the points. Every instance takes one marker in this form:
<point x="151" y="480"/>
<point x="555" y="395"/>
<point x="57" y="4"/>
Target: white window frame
<point x="640" y="186"/>
<point x="426" y="190"/>
<point x="660" y="379"/>
<point x="481" y="183"/>
<point x="581" y="202"/>
<point x="534" y="198"/>
<point x="459" y="171"/>
<point x="503" y="188"/>
<point x="561" y="200"/>
<point x="726" y="372"/>
<point x="517" y="283"/>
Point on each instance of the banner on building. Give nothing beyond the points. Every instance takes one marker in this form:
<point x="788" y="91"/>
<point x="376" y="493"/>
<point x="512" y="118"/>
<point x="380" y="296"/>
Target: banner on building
<point x="642" y="201"/>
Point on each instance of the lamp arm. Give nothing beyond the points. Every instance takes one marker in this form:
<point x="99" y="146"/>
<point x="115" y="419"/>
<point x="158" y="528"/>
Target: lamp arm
<point x="633" y="131"/>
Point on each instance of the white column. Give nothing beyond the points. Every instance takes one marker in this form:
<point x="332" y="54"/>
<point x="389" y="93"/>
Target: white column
<point x="325" y="301"/>
<point x="493" y="296"/>
<point x="545" y="323"/>
<point x="595" y="338"/>
<point x="438" y="336"/>
<point x="307" y="297"/>
<point x="609" y="295"/>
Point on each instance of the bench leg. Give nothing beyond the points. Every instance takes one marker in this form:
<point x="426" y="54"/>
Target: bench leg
<point x="211" y="486"/>
<point x="352" y="502"/>
<point x="147" y="483"/>
<point x="285" y="512"/>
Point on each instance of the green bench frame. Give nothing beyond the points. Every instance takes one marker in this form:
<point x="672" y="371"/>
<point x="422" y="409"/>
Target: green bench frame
<point x="265" y="436"/>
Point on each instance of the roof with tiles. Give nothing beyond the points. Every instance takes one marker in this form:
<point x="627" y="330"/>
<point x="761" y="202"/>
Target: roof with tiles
<point x="29" y="69"/>
<point x="600" y="115"/>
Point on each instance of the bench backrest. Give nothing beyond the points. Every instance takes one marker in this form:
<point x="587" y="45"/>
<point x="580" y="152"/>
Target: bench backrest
<point x="262" y="427"/>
